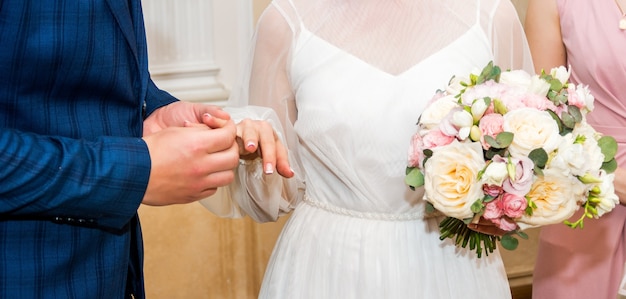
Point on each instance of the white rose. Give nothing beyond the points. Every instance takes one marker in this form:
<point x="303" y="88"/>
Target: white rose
<point x="538" y="86"/>
<point x="556" y="196"/>
<point x="519" y="78"/>
<point x="560" y="73"/>
<point x="495" y="173"/>
<point x="451" y="178"/>
<point x="531" y="129"/>
<point x="436" y="111"/>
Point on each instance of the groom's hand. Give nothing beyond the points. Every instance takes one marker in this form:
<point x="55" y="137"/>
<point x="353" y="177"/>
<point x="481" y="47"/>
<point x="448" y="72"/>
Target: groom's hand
<point x="190" y="163"/>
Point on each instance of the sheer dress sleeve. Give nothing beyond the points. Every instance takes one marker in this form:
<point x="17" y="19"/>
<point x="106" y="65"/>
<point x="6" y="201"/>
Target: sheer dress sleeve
<point x="264" y="93"/>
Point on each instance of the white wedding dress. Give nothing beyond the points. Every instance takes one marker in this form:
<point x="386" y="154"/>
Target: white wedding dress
<point x="348" y="80"/>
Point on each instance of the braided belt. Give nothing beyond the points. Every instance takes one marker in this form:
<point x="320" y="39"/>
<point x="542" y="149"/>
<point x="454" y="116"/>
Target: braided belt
<point x="363" y="215"/>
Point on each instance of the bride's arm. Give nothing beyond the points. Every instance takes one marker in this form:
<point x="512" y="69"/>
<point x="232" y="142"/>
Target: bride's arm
<point x="264" y="93"/>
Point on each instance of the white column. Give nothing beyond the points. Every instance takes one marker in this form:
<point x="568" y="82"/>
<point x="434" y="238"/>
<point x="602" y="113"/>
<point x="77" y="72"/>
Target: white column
<point x="196" y="47"/>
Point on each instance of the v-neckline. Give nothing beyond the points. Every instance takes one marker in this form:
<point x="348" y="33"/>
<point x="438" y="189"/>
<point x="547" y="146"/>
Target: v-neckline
<point x="378" y="69"/>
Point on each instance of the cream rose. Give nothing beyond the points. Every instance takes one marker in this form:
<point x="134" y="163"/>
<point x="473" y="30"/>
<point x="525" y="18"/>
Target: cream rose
<point x="531" y="129"/>
<point x="556" y="196"/>
<point x="437" y="111"/>
<point x="451" y="178"/>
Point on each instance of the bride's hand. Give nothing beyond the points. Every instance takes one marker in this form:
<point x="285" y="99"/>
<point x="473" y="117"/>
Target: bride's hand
<point x="485" y="226"/>
<point x="257" y="138"/>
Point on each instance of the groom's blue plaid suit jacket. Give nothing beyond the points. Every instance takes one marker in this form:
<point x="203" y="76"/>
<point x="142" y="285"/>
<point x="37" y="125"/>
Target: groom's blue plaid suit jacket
<point x="74" y="90"/>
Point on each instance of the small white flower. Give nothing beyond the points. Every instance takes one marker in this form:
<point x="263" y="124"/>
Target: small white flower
<point x="464" y="121"/>
<point x="561" y="73"/>
<point x="495" y="173"/>
<point x="607" y="196"/>
<point x="538" y="86"/>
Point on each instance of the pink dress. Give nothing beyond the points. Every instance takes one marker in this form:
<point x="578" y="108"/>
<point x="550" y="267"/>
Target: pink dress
<point x="589" y="263"/>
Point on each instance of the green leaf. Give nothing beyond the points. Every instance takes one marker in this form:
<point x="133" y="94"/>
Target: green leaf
<point x="491" y="141"/>
<point x="557" y="120"/>
<point x="609" y="166"/>
<point x="608" y="146"/>
<point x="477" y="206"/>
<point x="509" y="242"/>
<point x="568" y="120"/>
<point x="415" y="177"/>
<point x="504" y="139"/>
<point x="522" y="234"/>
<point x="430" y="208"/>
<point x="555" y="84"/>
<point x="575" y="113"/>
<point x="489" y="72"/>
<point x="539" y="156"/>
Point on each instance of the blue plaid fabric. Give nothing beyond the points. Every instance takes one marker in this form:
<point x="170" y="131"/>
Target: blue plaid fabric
<point x="74" y="90"/>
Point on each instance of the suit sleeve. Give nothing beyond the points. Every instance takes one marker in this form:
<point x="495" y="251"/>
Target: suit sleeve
<point x="101" y="181"/>
<point x="157" y="98"/>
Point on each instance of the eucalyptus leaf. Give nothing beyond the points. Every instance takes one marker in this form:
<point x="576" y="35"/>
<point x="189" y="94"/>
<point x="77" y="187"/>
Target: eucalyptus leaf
<point x="609" y="166"/>
<point x="477" y="206"/>
<point x="430" y="208"/>
<point x="557" y="120"/>
<point x="555" y="84"/>
<point x="522" y="234"/>
<point x="575" y="113"/>
<point x="568" y="120"/>
<point x="608" y="146"/>
<point x="504" y="139"/>
<point x="509" y="242"/>
<point x="491" y="141"/>
<point x="539" y="156"/>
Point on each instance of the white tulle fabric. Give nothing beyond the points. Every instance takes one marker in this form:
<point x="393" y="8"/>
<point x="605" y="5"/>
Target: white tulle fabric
<point x="344" y="82"/>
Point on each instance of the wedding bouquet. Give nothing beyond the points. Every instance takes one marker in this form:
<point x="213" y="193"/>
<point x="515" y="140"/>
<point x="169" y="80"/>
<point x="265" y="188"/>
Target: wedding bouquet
<point x="513" y="149"/>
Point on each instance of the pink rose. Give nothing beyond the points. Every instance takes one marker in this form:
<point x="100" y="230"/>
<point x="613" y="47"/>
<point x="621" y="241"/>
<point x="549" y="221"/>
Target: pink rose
<point x="416" y="151"/>
<point x="490" y="125"/>
<point x="505" y="224"/>
<point x="492" y="190"/>
<point x="492" y="210"/>
<point x="513" y="205"/>
<point x="436" y="138"/>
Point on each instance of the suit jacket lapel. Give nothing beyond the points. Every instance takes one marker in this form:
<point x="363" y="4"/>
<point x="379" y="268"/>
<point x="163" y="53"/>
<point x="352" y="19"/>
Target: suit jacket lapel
<point x="122" y="14"/>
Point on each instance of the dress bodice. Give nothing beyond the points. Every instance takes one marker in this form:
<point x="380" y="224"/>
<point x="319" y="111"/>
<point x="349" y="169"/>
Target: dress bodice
<point x="356" y="129"/>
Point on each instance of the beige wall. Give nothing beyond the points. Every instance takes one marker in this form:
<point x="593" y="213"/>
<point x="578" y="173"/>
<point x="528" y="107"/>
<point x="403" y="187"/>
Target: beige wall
<point x="190" y="253"/>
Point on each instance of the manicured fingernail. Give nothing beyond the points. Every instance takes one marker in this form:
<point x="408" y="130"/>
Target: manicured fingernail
<point x="250" y="144"/>
<point x="269" y="169"/>
<point x="207" y="115"/>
